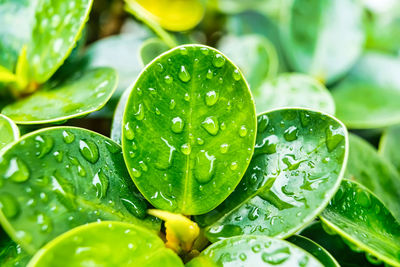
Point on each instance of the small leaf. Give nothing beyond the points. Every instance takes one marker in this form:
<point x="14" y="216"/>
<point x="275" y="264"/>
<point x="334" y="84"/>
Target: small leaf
<point x="9" y="132"/>
<point x="293" y="90"/>
<point x="51" y="183"/>
<point x="299" y="159"/>
<point x="152" y="48"/>
<point x="389" y="146"/>
<point x="255" y="251"/>
<point x="75" y="97"/>
<point x="367" y="167"/>
<point x="185" y="122"/>
<point x="359" y="216"/>
<point x="58" y="25"/>
<point x="107" y="244"/>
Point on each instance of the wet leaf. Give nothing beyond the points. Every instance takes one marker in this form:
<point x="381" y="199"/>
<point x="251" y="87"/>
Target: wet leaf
<point x="293" y="90"/>
<point x="11" y="254"/>
<point x="96" y="244"/>
<point x="310" y="35"/>
<point x="367" y="167"/>
<point x="151" y="49"/>
<point x="187" y="117"/>
<point x="75" y="97"/>
<point x="369" y="97"/>
<point x="359" y="216"/>
<point x="255" y="251"/>
<point x="9" y="132"/>
<point x="55" y="179"/>
<point x="389" y="146"/>
<point x="298" y="163"/>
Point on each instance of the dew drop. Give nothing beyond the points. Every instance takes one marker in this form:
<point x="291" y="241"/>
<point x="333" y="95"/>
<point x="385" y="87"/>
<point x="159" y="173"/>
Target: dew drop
<point x="100" y="182"/>
<point x="168" y="79"/>
<point x="224" y="148"/>
<point x="184" y="75"/>
<point x="172" y="104"/>
<point x="143" y="166"/>
<point x="205" y="165"/>
<point x="186" y="149"/>
<point x="242" y="131"/>
<point x="186" y="97"/>
<point x="164" y="159"/>
<point x="183" y="51"/>
<point x="262" y="123"/>
<point x="211" y="98"/>
<point x="218" y="60"/>
<point x="158" y="111"/>
<point x="177" y="125"/>
<point x="236" y="75"/>
<point x="209" y="74"/>
<point x="242" y="257"/>
<point x="68" y="137"/>
<point x="45" y="223"/>
<point x="58" y="155"/>
<point x="276" y="257"/>
<point x="291" y="133"/>
<point x="333" y="137"/>
<point x="267" y="146"/>
<point x="89" y="150"/>
<point x="17" y="171"/>
<point x="234" y="166"/>
<point x="204" y="50"/>
<point x="363" y="199"/>
<point x="210" y="124"/>
<point x="9" y="205"/>
<point x="44" y="145"/>
<point x="136" y="173"/>
<point x="128" y="131"/>
<point x="253" y="214"/>
<point x="256" y="248"/>
<point x="200" y="141"/>
<point x="139" y="115"/>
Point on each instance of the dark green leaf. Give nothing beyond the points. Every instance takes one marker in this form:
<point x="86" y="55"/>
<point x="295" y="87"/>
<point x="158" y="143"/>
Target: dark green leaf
<point x="107" y="244"/>
<point x="11" y="254"/>
<point x="75" y="97"/>
<point x="389" y="146"/>
<point x="359" y="216"/>
<point x="57" y="178"/>
<point x="189" y="129"/>
<point x="9" y="132"/>
<point x="299" y="160"/>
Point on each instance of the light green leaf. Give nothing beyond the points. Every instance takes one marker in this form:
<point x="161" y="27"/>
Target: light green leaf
<point x="9" y="132"/>
<point x="152" y="48"/>
<point x="389" y="146"/>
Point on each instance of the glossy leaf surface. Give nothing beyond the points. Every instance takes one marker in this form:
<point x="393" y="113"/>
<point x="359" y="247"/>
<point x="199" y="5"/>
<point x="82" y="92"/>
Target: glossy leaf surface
<point x="58" y="25"/>
<point x="187" y="117"/>
<point x="298" y="162"/>
<point x="255" y="251"/>
<point x="367" y="167"/>
<point x="310" y="37"/>
<point x="293" y="90"/>
<point x="257" y="58"/>
<point x="9" y="132"/>
<point x="314" y="249"/>
<point x="57" y="178"/>
<point x="359" y="216"/>
<point x="389" y="146"/>
<point x="369" y="97"/>
<point x="106" y="244"/>
<point x="11" y="254"/>
<point x="75" y="97"/>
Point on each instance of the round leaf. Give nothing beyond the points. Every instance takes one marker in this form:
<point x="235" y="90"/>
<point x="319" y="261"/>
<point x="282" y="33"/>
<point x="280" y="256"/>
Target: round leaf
<point x="293" y="90"/>
<point x="389" y="146"/>
<point x="369" y="97"/>
<point x="310" y="37"/>
<point x="299" y="159"/>
<point x="57" y="178"/>
<point x="9" y="132"/>
<point x="189" y="129"/>
<point x="357" y="215"/>
<point x="367" y="167"/>
<point x="255" y="251"/>
<point x="75" y="97"/>
<point x="314" y="249"/>
<point x="58" y="25"/>
<point x="106" y="244"/>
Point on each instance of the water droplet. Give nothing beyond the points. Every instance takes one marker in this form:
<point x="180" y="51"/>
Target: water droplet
<point x="333" y="137"/>
<point x="177" y="125"/>
<point x="158" y="111"/>
<point x="242" y="131"/>
<point x="210" y="124"/>
<point x="172" y="104"/>
<point x="291" y="133"/>
<point x="267" y="146"/>
<point x="224" y="148"/>
<point x="363" y="199"/>
<point x="303" y="261"/>
<point x="57" y="45"/>
<point x="64" y="190"/>
<point x="45" y="223"/>
<point x="253" y="214"/>
<point x="58" y="155"/>
<point x="184" y="75"/>
<point x="44" y="144"/>
<point x="17" y="171"/>
<point x="55" y="21"/>
<point x="234" y="166"/>
<point x="168" y="79"/>
<point x="205" y="165"/>
<point x="143" y="166"/>
<point x="218" y="60"/>
<point x="139" y="115"/>
<point x="100" y="182"/>
<point x="256" y="248"/>
<point x="136" y="173"/>
<point x="211" y="98"/>
<point x="209" y="74"/>
<point x="68" y="137"/>
<point x="242" y="257"/>
<point x="204" y="50"/>
<point x="160" y="67"/>
<point x="183" y="51"/>
<point x="128" y="131"/>
<point x="89" y="150"/>
<point x="186" y="149"/>
<point x="200" y="141"/>
<point x="9" y="205"/>
<point x="164" y="160"/>
<point x="236" y="75"/>
<point x="276" y="257"/>
<point x="186" y="97"/>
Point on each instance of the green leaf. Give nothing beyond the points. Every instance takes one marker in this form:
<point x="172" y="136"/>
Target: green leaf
<point x="389" y="146"/>
<point x="369" y="97"/>
<point x="116" y="126"/>
<point x="106" y="244"/>
<point x="298" y="163"/>
<point x="57" y="27"/>
<point x="257" y="59"/>
<point x="310" y="37"/>
<point x="339" y="248"/>
<point x="189" y="129"/>
<point x="152" y="48"/>
<point x="7" y="76"/>
<point x="314" y="249"/>
<point x="9" y="132"/>
<point x="293" y="90"/>
<point x="11" y="254"/>
<point x="75" y="97"/>
<point x="367" y="167"/>
<point x="58" y="178"/>
<point x="359" y="216"/>
<point x="256" y="251"/>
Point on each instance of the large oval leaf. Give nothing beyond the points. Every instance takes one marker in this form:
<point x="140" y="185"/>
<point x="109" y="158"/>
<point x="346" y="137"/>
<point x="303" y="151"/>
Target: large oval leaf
<point x="189" y="129"/>
<point x="389" y="146"/>
<point x="314" y="249"/>
<point x="310" y="37"/>
<point x="374" y="172"/>
<point x="9" y="132"/>
<point x="75" y="97"/>
<point x="57" y="178"/>
<point x="257" y="59"/>
<point x="359" y="216"/>
<point x="11" y="254"/>
<point x="106" y="244"/>
<point x="369" y="97"/>
<point x="293" y="90"/>
<point x="58" y="24"/>
<point x="298" y="162"/>
<point x="254" y="251"/>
